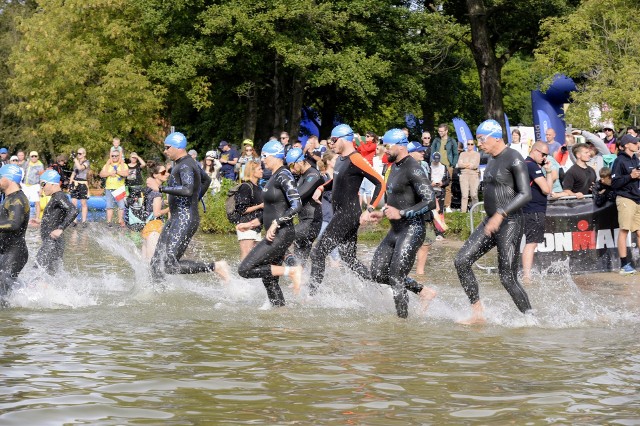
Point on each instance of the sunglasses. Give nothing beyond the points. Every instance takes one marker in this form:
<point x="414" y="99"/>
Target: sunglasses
<point x="164" y="172"/>
<point x="43" y="184"/>
<point x="81" y="153"/>
<point x="34" y="156"/>
<point x="115" y="156"/>
<point x="166" y="147"/>
<point x="427" y="137"/>
<point x="544" y="155"/>
<point x="470" y="144"/>
<point x="248" y="149"/>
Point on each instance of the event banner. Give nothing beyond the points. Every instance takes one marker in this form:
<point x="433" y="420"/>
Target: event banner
<point x="584" y="234"/>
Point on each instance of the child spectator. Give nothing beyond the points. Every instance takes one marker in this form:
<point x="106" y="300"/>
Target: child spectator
<point x="602" y="191"/>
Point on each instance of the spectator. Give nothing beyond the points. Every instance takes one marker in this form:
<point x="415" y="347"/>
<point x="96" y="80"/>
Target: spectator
<point x="416" y="151"/>
<point x="563" y="155"/>
<point x="79" y="184"/>
<point x="517" y="144"/>
<point x="60" y="167"/>
<point x="4" y="154"/>
<point x="228" y="159"/>
<point x="116" y="144"/>
<point x="366" y="146"/>
<point x="579" y="180"/>
<point x="426" y="142"/>
<point x="314" y="150"/>
<point x="248" y="155"/>
<point x="624" y="179"/>
<point x="599" y="150"/>
<point x="468" y="163"/>
<point x="134" y="178"/>
<point x="115" y="171"/>
<point x="536" y="209"/>
<point x="610" y="137"/>
<point x="440" y="180"/>
<point x="22" y="162"/>
<point x="554" y="145"/>
<point x="31" y="179"/>
<point x="602" y="190"/>
<point x="249" y="204"/>
<point x="212" y="168"/>
<point x="13" y="160"/>
<point x="632" y="131"/>
<point x="447" y="147"/>
<point x="154" y="207"/>
<point x="285" y="141"/>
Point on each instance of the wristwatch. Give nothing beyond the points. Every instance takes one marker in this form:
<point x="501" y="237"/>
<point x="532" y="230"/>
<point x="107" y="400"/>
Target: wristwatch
<point x="502" y="213"/>
<point x="370" y="209"/>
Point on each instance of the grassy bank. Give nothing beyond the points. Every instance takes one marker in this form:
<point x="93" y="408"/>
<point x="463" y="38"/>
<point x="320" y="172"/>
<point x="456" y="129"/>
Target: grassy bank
<point x="214" y="220"/>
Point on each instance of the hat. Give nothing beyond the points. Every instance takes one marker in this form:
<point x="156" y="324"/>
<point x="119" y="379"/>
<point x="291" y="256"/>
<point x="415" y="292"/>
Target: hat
<point x="247" y="142"/>
<point x="416" y="147"/>
<point x="3" y="151"/>
<point x="210" y="154"/>
<point x="192" y="152"/>
<point x="33" y="153"/>
<point x="436" y="156"/>
<point x="628" y="139"/>
<point x="608" y="125"/>
<point x="490" y="128"/>
<point x="14" y="158"/>
<point x="223" y="144"/>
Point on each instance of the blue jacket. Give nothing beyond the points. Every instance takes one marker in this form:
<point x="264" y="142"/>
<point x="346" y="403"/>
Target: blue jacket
<point x="621" y="177"/>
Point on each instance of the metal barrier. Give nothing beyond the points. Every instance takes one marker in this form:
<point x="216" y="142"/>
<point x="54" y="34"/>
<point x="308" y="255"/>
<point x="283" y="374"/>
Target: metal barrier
<point x="478" y="208"/>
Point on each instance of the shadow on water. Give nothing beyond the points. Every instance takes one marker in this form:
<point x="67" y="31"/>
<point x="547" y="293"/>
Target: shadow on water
<point x="97" y="344"/>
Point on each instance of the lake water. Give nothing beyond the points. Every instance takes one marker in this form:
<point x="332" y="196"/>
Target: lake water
<point x="97" y="345"/>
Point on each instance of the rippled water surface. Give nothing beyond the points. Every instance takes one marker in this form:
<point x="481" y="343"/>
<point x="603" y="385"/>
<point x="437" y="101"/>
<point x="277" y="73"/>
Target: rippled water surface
<point x="98" y="345"/>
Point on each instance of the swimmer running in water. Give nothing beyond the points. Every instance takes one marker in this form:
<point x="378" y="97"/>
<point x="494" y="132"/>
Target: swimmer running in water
<point x="506" y="192"/>
<point x="342" y="232"/>
<point x="186" y="185"/>
<point x="310" y="217"/>
<point x="409" y="198"/>
<point x="58" y="215"/>
<point x="14" y="219"/>
<point x="281" y="204"/>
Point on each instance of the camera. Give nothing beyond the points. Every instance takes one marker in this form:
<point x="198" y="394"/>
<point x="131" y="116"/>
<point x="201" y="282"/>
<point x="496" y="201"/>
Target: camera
<point x="73" y="155"/>
<point x="563" y="148"/>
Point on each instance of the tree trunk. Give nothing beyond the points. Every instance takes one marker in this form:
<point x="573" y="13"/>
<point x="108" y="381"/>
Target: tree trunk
<point x="486" y="61"/>
<point x="327" y="113"/>
<point x="251" y="115"/>
<point x="279" y="106"/>
<point x="297" y="99"/>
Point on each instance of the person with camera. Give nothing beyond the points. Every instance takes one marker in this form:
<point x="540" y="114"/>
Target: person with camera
<point x="78" y="183"/>
<point x="624" y="179"/>
<point x="541" y="182"/>
<point x="134" y="178"/>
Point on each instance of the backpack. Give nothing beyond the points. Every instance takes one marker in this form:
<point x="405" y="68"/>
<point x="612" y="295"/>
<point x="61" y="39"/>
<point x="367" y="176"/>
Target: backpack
<point x="230" y="204"/>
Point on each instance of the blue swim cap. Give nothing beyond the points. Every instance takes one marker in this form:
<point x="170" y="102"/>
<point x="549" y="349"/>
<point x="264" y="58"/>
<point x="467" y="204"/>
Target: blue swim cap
<point x="490" y="128"/>
<point x="50" y="176"/>
<point x="395" y="137"/>
<point x="176" y="140"/>
<point x="343" y="131"/>
<point x="294" y="155"/>
<point x="272" y="148"/>
<point x="11" y="172"/>
<point x="416" y="147"/>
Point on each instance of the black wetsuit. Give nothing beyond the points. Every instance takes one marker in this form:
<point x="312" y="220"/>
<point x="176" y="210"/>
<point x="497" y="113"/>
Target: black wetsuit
<point x="342" y="231"/>
<point x="58" y="214"/>
<point x="14" y="219"/>
<point x="506" y="188"/>
<point x="409" y="190"/>
<point x="310" y="217"/>
<point x="186" y="185"/>
<point x="281" y="204"/>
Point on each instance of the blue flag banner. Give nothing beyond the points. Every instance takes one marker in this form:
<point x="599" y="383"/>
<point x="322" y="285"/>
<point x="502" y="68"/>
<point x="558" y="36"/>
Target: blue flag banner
<point x="462" y="131"/>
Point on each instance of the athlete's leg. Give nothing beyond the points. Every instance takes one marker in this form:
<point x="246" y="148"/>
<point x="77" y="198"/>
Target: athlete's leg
<point x="508" y="240"/>
<point x="473" y="249"/>
<point x="348" y="249"/>
<point x="332" y="236"/>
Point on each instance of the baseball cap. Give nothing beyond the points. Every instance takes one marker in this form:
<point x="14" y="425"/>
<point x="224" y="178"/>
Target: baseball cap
<point x="416" y="147"/>
<point x="33" y="154"/>
<point x="3" y="151"/>
<point x="14" y="158"/>
<point x="436" y="156"/>
<point x="247" y="142"/>
<point x="628" y="139"/>
<point x="223" y="144"/>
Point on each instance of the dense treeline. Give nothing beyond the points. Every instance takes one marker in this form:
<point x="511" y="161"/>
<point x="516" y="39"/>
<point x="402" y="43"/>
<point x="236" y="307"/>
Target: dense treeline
<point x="78" y="72"/>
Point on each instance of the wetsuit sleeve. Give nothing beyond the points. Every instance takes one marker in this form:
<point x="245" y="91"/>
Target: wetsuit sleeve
<point x="373" y="177"/>
<point x="71" y="212"/>
<point x="16" y="213"/>
<point x="423" y="189"/>
<point x="205" y="182"/>
<point x="187" y="187"/>
<point x="523" y="189"/>
<point x="288" y="185"/>
<point x="308" y="187"/>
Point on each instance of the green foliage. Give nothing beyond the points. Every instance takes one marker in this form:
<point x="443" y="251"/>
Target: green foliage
<point x="518" y="80"/>
<point x="214" y="220"/>
<point x="459" y="225"/>
<point x="597" y="45"/>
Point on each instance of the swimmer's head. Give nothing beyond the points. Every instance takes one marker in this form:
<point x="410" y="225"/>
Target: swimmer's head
<point x="395" y="137"/>
<point x="50" y="176"/>
<point x="342" y="131"/>
<point x="272" y="149"/>
<point x="295" y="155"/>
<point x="12" y="172"/>
<point x="175" y="140"/>
<point x="489" y="128"/>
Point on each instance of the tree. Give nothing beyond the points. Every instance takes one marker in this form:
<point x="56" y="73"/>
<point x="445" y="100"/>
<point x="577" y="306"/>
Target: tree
<point x="598" y="46"/>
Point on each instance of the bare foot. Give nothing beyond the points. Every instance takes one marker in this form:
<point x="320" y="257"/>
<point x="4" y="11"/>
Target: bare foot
<point x="427" y="294"/>
<point x="477" y="315"/>
<point x="296" y="278"/>
<point x="222" y="269"/>
<point x="526" y="281"/>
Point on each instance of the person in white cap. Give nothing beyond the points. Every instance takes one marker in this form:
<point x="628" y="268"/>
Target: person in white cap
<point x="31" y="181"/>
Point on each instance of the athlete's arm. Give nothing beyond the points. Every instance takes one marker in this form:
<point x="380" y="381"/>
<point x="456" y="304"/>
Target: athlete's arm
<point x="71" y="212"/>
<point x="16" y="213"/>
<point x="187" y="187"/>
<point x="288" y="185"/>
<point x="373" y="177"/>
<point x="308" y="187"/>
<point x="523" y="190"/>
<point x="427" y="196"/>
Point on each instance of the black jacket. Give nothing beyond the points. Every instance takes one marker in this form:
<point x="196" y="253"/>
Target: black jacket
<point x="621" y="177"/>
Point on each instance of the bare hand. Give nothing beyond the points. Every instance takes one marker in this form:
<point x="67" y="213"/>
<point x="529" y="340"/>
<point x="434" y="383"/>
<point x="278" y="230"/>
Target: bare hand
<point x="365" y="217"/>
<point x="317" y="195"/>
<point x="376" y="216"/>
<point x="152" y="184"/>
<point x="55" y="234"/>
<point x="579" y="195"/>
<point x="635" y="174"/>
<point x="392" y="213"/>
<point x="271" y="232"/>
<point x="493" y="224"/>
